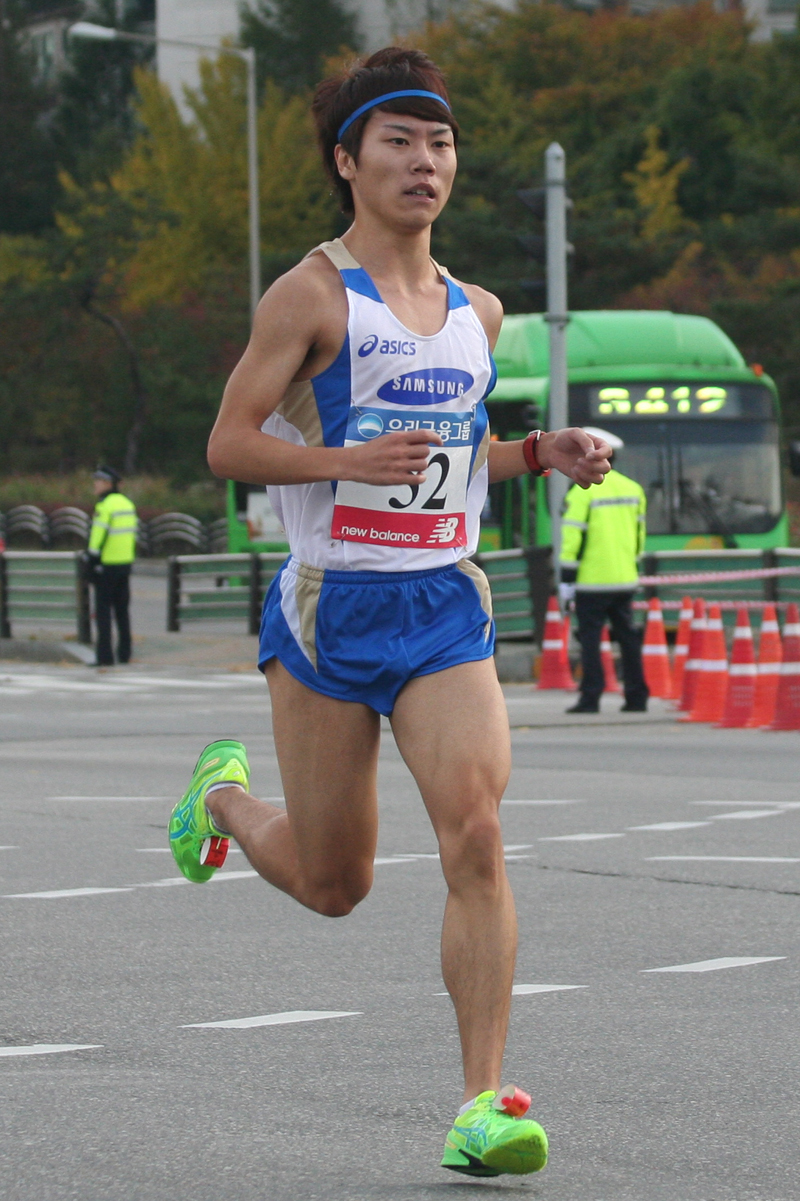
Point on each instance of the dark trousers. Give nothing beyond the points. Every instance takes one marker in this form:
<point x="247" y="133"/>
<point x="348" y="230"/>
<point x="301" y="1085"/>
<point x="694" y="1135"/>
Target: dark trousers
<point x="112" y="593"/>
<point x="594" y="610"/>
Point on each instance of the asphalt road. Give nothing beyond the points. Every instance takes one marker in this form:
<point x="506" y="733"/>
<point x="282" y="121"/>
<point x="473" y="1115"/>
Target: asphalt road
<point x="633" y="848"/>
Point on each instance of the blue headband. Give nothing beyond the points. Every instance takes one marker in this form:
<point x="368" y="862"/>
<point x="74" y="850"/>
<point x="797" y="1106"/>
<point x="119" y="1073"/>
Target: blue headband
<point x="388" y="96"/>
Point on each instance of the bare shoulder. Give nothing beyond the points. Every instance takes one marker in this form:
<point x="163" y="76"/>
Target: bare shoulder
<point x="305" y="295"/>
<point x="488" y="308"/>
<point x="305" y="313"/>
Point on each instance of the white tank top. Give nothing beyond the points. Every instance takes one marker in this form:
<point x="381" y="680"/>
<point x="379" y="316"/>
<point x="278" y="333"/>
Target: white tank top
<point x="387" y="378"/>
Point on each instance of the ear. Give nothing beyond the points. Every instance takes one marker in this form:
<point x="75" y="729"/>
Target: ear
<point x="345" y="163"/>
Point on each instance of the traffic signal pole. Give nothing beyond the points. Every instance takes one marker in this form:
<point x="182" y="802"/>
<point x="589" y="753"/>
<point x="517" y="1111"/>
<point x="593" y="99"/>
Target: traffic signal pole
<point x="557" y="317"/>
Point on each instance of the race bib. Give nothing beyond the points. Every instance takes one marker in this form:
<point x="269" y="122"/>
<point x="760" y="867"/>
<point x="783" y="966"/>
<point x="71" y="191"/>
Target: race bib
<point x="429" y="514"/>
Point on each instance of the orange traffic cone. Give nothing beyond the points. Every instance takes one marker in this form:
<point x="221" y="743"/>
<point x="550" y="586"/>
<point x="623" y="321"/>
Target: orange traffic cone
<point x="555" y="671"/>
<point x="609" y="671"/>
<point x="697" y="638"/>
<point x="769" y="669"/>
<point x="681" y="647"/>
<point x="741" y="676"/>
<point x="787" y="706"/>
<point x="712" y="674"/>
<point x="655" y="658"/>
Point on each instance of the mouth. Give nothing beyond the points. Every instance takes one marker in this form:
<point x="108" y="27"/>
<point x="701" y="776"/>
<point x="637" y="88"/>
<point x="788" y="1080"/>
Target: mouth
<point x="423" y="189"/>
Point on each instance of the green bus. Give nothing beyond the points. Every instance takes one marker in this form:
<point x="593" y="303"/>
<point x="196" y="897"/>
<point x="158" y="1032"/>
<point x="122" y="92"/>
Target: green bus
<point x="701" y="428"/>
<point x="701" y="432"/>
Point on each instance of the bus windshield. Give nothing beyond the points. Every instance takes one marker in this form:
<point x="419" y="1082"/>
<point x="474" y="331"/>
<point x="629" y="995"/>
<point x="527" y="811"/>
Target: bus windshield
<point x="705" y="471"/>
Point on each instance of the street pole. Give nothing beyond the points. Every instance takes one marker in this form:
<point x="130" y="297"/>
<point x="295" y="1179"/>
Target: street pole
<point x="557" y="317"/>
<point x="249" y="56"/>
<point x="106" y="33"/>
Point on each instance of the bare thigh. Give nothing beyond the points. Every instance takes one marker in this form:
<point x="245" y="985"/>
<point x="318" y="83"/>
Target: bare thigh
<point x="452" y="730"/>
<point x="328" y="756"/>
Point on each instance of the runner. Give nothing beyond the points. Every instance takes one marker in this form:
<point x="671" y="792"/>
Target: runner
<point x="359" y="401"/>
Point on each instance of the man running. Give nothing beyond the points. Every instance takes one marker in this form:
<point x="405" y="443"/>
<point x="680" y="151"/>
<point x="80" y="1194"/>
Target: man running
<point x="359" y="401"/>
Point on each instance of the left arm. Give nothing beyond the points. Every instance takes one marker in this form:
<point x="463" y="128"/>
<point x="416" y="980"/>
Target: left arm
<point x="578" y="455"/>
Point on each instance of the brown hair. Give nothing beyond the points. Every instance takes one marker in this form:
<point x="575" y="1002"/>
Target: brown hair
<point x="390" y="70"/>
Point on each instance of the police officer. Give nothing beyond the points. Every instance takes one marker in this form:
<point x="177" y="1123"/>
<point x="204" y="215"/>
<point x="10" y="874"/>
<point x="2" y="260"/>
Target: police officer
<point x="602" y="536"/>
<point x="112" y="548"/>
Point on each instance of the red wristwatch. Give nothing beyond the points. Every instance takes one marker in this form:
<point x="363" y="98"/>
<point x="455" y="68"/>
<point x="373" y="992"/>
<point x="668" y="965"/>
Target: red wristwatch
<point x="529" y="447"/>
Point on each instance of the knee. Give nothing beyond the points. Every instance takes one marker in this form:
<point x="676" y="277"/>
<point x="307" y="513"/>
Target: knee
<point x="336" y="895"/>
<point x="472" y="853"/>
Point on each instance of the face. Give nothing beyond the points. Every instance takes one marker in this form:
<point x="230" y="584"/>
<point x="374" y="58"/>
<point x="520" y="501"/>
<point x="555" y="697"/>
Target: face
<point x="100" y="486"/>
<point x="405" y="169"/>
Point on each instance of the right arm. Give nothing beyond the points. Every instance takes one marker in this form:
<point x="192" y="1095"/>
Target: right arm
<point x="298" y="330"/>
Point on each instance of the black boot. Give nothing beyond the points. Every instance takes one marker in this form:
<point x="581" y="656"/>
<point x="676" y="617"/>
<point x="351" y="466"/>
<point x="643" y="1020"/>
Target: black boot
<point x="584" y="706"/>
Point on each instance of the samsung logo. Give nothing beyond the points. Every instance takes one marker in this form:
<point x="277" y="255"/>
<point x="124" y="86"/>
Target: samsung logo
<point x="430" y="386"/>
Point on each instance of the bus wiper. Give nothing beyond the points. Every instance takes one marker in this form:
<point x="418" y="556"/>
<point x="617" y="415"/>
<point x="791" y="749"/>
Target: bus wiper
<point x="700" y="500"/>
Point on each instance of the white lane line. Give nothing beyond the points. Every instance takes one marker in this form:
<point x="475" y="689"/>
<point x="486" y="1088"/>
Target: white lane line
<point x="169" y="882"/>
<point x="670" y="826"/>
<point x="578" y="837"/>
<point x="766" y="804"/>
<point x="746" y="814"/>
<point x="110" y="798"/>
<point x="221" y="876"/>
<point x="716" y="965"/>
<point x="509" y="801"/>
<point x="58" y="893"/>
<point x="9" y="848"/>
<point x="273" y="1019"/>
<point x="396" y="859"/>
<point x="527" y="990"/>
<point x="167" y="851"/>
<point x="720" y="859"/>
<point x="48" y="1049"/>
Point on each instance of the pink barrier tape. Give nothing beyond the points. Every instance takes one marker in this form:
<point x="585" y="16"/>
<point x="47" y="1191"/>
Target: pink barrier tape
<point x="716" y="577"/>
<point x="723" y="604"/>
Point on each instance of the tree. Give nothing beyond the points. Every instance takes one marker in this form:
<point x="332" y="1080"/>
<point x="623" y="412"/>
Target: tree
<point x="93" y="122"/>
<point x="292" y="38"/>
<point x="28" y="185"/>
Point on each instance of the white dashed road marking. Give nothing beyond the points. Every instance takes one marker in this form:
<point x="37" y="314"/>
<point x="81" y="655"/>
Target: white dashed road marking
<point x="719" y="859"/>
<point x="527" y="990"/>
<point x="273" y="1019"/>
<point x="671" y="826"/>
<point x="746" y="814"/>
<point x="716" y="965"/>
<point x="578" y="837"/>
<point x="48" y="1049"/>
<point x="58" y="893"/>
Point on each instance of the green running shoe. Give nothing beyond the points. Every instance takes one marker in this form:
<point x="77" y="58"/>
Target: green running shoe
<point x="198" y="847"/>
<point x="485" y="1141"/>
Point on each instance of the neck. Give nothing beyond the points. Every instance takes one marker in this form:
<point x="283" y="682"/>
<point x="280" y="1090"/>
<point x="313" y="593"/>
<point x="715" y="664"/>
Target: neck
<point x="404" y="256"/>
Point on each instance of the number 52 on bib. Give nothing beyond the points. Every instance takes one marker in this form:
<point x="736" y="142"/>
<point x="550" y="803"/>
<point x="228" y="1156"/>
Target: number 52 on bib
<point x="432" y="513"/>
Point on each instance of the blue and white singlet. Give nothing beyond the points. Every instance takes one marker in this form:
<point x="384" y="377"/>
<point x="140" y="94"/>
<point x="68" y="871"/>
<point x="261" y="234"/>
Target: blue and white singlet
<point x="386" y="378"/>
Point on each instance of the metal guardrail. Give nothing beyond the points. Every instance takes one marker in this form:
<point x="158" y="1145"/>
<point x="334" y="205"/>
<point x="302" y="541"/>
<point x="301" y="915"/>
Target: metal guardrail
<point x="42" y="586"/>
<point x="219" y="587"/>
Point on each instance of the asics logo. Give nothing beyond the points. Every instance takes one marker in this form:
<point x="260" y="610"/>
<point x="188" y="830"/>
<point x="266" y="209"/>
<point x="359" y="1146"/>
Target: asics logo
<point x="366" y="348"/>
<point x="387" y="346"/>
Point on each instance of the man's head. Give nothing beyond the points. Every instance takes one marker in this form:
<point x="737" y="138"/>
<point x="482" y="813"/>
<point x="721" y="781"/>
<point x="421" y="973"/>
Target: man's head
<point x="105" y="479"/>
<point x="403" y="146"/>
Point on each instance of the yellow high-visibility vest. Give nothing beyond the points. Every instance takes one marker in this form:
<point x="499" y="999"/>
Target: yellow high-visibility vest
<point x="602" y="533"/>
<point x="113" y="533"/>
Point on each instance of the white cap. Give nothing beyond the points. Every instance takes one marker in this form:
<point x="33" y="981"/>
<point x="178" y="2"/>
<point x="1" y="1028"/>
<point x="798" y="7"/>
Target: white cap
<point x="613" y="440"/>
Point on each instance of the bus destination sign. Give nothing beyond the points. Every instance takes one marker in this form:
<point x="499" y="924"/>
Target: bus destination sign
<point x="666" y="400"/>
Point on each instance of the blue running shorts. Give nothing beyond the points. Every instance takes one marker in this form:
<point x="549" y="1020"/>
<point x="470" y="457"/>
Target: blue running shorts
<point x="362" y="635"/>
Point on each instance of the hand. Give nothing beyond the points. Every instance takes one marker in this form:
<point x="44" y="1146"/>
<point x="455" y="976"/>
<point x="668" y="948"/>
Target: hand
<point x="581" y="456"/>
<point x="566" y="594"/>
<point x="399" y="458"/>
